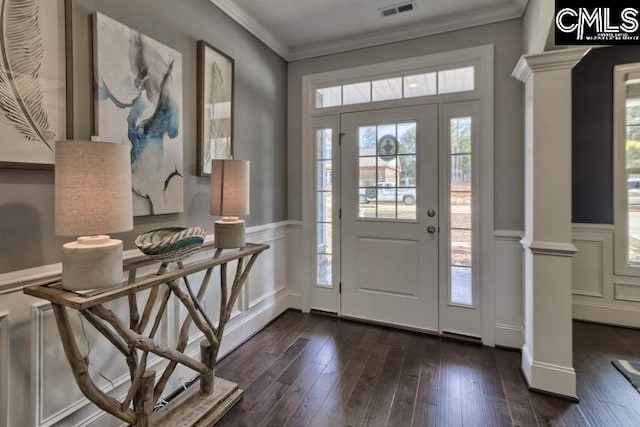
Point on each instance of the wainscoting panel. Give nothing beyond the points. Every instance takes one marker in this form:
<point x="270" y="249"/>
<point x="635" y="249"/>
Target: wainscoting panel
<point x="598" y="294"/>
<point x="508" y="287"/>
<point x="51" y="373"/>
<point x="295" y="274"/>
<point x="33" y="364"/>
<point x="269" y="271"/>
<point x="588" y="274"/>
<point x="626" y="292"/>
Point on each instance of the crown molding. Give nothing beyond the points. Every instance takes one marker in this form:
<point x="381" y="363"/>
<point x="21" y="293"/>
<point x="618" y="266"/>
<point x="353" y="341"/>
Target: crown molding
<point x="459" y="21"/>
<point x="236" y="13"/>
<point x="484" y="16"/>
<point x="548" y="61"/>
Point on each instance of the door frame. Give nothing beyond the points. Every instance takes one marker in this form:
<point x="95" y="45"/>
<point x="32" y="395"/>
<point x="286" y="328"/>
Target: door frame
<point x="414" y="308"/>
<point x="482" y="58"/>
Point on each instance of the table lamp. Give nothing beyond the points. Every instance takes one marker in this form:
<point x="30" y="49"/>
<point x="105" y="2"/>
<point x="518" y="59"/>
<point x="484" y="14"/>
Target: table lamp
<point x="92" y="198"/>
<point x="229" y="199"/>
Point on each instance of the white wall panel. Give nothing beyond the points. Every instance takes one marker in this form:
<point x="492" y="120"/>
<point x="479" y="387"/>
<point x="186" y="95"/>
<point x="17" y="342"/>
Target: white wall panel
<point x="599" y="295"/>
<point x="626" y="292"/>
<point x="269" y="270"/>
<point x="588" y="274"/>
<point x="294" y="270"/>
<point x="508" y="288"/>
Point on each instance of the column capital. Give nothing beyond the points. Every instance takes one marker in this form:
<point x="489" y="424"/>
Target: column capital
<point x="546" y="61"/>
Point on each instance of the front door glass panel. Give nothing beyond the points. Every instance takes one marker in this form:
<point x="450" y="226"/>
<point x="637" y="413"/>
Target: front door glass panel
<point x="387" y="171"/>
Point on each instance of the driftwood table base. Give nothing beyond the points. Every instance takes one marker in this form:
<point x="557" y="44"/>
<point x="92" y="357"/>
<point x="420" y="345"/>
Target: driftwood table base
<point x="135" y="338"/>
<point x="191" y="409"/>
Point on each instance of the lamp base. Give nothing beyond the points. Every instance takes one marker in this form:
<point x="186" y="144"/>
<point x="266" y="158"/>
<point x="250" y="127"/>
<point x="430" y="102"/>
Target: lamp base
<point x="229" y="233"/>
<point x="91" y="262"/>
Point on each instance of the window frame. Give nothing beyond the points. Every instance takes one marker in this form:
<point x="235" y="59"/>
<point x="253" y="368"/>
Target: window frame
<point x="620" y="186"/>
<point x="482" y="57"/>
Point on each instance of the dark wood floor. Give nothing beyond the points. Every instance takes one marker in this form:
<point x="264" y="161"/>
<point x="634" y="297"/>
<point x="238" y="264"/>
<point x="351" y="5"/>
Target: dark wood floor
<point x="310" y="370"/>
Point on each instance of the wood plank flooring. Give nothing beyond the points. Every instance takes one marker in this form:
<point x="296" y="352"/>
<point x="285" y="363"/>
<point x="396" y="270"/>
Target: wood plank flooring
<point x="311" y="370"/>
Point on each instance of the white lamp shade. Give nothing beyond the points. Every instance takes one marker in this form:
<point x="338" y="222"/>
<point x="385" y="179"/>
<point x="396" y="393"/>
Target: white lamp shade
<point x="92" y="188"/>
<point x="229" y="187"/>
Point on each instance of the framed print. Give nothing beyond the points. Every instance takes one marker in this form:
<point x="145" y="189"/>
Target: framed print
<point x="138" y="102"/>
<point x="36" y="70"/>
<point x="215" y="106"/>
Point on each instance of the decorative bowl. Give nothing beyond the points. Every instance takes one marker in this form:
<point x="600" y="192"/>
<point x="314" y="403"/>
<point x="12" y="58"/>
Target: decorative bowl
<point x="171" y="243"/>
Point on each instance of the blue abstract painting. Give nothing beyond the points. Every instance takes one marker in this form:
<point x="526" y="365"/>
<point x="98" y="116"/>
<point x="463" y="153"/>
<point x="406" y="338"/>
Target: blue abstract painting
<point x="138" y="84"/>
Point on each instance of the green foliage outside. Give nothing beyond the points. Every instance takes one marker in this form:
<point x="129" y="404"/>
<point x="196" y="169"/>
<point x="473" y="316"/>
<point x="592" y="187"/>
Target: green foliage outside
<point x="633" y="153"/>
<point x="407" y="142"/>
<point x="633" y="137"/>
<point x="460" y="134"/>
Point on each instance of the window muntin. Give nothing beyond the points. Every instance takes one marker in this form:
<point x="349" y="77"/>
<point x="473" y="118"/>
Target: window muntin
<point x="409" y="86"/>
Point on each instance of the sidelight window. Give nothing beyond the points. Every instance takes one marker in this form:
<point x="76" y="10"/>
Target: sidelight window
<point x="460" y="223"/>
<point x="324" y="253"/>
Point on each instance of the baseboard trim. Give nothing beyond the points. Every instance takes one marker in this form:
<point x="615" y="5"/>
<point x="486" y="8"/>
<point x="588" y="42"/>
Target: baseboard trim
<point x="295" y="300"/>
<point x="510" y="336"/>
<point x="606" y="314"/>
<point x="263" y="314"/>
<point x="549" y="378"/>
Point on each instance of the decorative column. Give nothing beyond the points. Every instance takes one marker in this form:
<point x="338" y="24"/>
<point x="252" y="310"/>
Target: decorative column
<point x="547" y="359"/>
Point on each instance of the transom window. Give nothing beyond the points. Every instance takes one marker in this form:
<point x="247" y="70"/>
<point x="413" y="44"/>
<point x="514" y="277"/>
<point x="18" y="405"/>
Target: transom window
<point x="408" y="86"/>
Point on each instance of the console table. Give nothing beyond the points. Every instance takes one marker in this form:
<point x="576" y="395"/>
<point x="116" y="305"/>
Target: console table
<point x="197" y="406"/>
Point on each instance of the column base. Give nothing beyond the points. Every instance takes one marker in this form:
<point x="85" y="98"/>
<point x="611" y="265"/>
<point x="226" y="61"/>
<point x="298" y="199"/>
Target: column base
<point x="548" y="378"/>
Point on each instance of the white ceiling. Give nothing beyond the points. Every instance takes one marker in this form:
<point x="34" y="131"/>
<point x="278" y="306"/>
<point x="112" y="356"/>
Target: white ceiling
<point x="299" y="29"/>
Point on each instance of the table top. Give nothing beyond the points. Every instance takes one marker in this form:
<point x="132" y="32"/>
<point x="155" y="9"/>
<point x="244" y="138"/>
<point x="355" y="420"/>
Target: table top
<point x="53" y="291"/>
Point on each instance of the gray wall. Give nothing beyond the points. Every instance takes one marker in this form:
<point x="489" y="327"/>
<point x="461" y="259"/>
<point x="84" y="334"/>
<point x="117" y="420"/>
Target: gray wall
<point x="592" y="137"/>
<point x="26" y="197"/>
<point x="509" y="103"/>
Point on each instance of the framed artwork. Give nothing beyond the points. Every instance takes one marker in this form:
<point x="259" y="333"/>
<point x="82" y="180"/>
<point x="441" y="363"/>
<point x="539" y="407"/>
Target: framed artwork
<point x="215" y="106"/>
<point x="36" y="75"/>
<point x="138" y="101"/>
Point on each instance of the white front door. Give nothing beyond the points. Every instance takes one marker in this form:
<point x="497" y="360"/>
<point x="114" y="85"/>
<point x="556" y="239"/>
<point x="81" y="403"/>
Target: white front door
<point x="389" y="200"/>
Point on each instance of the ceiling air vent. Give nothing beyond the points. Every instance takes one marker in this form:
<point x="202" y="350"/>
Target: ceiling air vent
<point x="396" y="9"/>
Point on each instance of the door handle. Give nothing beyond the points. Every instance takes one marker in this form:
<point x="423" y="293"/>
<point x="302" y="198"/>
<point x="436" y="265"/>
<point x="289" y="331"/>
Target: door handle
<point x="431" y="229"/>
